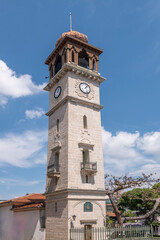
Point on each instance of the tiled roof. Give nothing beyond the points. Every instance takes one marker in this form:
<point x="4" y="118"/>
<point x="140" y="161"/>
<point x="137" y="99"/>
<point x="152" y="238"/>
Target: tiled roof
<point x="28" y="206"/>
<point x="34" y="200"/>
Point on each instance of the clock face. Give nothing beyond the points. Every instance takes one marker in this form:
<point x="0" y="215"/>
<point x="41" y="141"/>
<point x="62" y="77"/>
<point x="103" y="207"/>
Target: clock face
<point x="85" y="88"/>
<point x="57" y="92"/>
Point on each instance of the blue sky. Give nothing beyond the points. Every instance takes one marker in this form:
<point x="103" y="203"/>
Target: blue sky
<point x="128" y="32"/>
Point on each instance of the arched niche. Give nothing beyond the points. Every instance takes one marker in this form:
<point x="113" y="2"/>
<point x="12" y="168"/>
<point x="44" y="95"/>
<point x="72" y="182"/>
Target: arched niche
<point x="58" y="63"/>
<point x="83" y="59"/>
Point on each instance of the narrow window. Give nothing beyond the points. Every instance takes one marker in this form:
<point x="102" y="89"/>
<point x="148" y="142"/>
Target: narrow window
<point x="58" y="63"/>
<point x="85" y="156"/>
<point x="72" y="56"/>
<point x="55" y="206"/>
<point x="85" y="122"/>
<point x="86" y="163"/>
<point x="86" y="178"/>
<point x="56" y="163"/>
<point x="93" y="65"/>
<point x="57" y="125"/>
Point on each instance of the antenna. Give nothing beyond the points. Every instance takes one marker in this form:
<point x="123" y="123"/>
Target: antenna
<point x="70" y="22"/>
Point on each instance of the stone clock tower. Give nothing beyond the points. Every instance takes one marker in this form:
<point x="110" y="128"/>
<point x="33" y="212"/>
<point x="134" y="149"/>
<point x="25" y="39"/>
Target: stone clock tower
<point x="75" y="192"/>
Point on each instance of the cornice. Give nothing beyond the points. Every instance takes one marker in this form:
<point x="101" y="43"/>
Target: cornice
<point x="74" y="100"/>
<point x="76" y="191"/>
<point x="78" y="70"/>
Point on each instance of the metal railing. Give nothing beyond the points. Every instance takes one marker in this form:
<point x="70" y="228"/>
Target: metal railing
<point x="142" y="232"/>
<point x="89" y="166"/>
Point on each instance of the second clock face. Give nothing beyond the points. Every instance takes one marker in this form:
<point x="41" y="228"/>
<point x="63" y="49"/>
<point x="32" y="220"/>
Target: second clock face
<point x="85" y="88"/>
<point x="57" y="92"/>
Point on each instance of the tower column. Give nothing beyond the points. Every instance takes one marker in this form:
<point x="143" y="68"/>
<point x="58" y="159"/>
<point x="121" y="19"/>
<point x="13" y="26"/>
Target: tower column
<point x="75" y="191"/>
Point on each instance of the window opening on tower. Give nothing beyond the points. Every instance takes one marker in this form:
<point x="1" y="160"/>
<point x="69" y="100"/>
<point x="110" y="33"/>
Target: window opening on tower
<point x="57" y="125"/>
<point x="56" y="162"/>
<point x="83" y="59"/>
<point x="84" y="122"/>
<point x="86" y="178"/>
<point x="55" y="206"/>
<point x="72" y="56"/>
<point x="93" y="65"/>
<point x="85" y="156"/>
<point x="58" y="63"/>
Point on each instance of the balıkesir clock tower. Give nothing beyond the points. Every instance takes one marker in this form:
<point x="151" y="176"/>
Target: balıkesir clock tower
<point x="75" y="192"/>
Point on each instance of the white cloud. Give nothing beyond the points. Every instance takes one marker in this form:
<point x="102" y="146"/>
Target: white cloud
<point x="18" y="182"/>
<point x="15" y="86"/>
<point x="34" y="113"/>
<point x="129" y="152"/>
<point x="23" y="150"/>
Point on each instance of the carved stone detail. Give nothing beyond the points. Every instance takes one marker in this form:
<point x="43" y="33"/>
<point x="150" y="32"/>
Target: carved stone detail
<point x="80" y="93"/>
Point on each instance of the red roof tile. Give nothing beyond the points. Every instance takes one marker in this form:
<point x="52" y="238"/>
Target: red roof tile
<point x="27" y="200"/>
<point x="28" y="206"/>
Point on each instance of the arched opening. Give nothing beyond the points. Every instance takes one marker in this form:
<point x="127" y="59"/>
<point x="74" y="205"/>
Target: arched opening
<point x="57" y="125"/>
<point x="58" y="63"/>
<point x="72" y="56"/>
<point x="83" y="59"/>
<point x="93" y="65"/>
<point x="84" y="122"/>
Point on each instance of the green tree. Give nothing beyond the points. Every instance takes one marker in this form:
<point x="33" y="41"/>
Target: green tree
<point x="138" y="200"/>
<point x="143" y="201"/>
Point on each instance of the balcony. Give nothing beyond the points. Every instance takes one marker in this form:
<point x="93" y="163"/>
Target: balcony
<point x="53" y="171"/>
<point x="89" y="167"/>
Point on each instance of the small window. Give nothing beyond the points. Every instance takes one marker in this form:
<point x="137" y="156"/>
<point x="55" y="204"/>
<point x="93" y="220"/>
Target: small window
<point x="56" y="163"/>
<point x="84" y="122"/>
<point x="72" y="56"/>
<point x="86" y="178"/>
<point x="57" y="125"/>
<point x="93" y="65"/>
<point x="56" y="207"/>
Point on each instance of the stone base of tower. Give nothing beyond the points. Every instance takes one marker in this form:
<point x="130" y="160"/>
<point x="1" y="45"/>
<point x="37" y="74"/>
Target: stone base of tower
<point x="73" y="208"/>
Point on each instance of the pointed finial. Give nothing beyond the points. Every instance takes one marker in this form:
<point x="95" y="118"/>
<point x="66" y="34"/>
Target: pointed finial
<point x="70" y="22"/>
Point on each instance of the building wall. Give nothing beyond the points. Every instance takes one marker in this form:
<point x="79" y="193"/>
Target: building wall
<point x="54" y="139"/>
<point x="77" y="135"/>
<point x="20" y="225"/>
<point x="56" y="221"/>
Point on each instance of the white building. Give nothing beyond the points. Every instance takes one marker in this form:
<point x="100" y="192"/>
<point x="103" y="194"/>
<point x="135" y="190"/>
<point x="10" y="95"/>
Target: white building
<point x="23" y="218"/>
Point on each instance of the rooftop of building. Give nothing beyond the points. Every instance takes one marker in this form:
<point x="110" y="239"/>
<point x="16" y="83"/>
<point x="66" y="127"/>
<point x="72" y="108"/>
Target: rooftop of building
<point x="74" y="34"/>
<point x="27" y="202"/>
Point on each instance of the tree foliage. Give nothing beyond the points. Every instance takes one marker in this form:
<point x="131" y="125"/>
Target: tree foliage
<point x="144" y="201"/>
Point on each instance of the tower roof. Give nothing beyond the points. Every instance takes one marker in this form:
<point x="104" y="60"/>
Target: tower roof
<point x="74" y="34"/>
